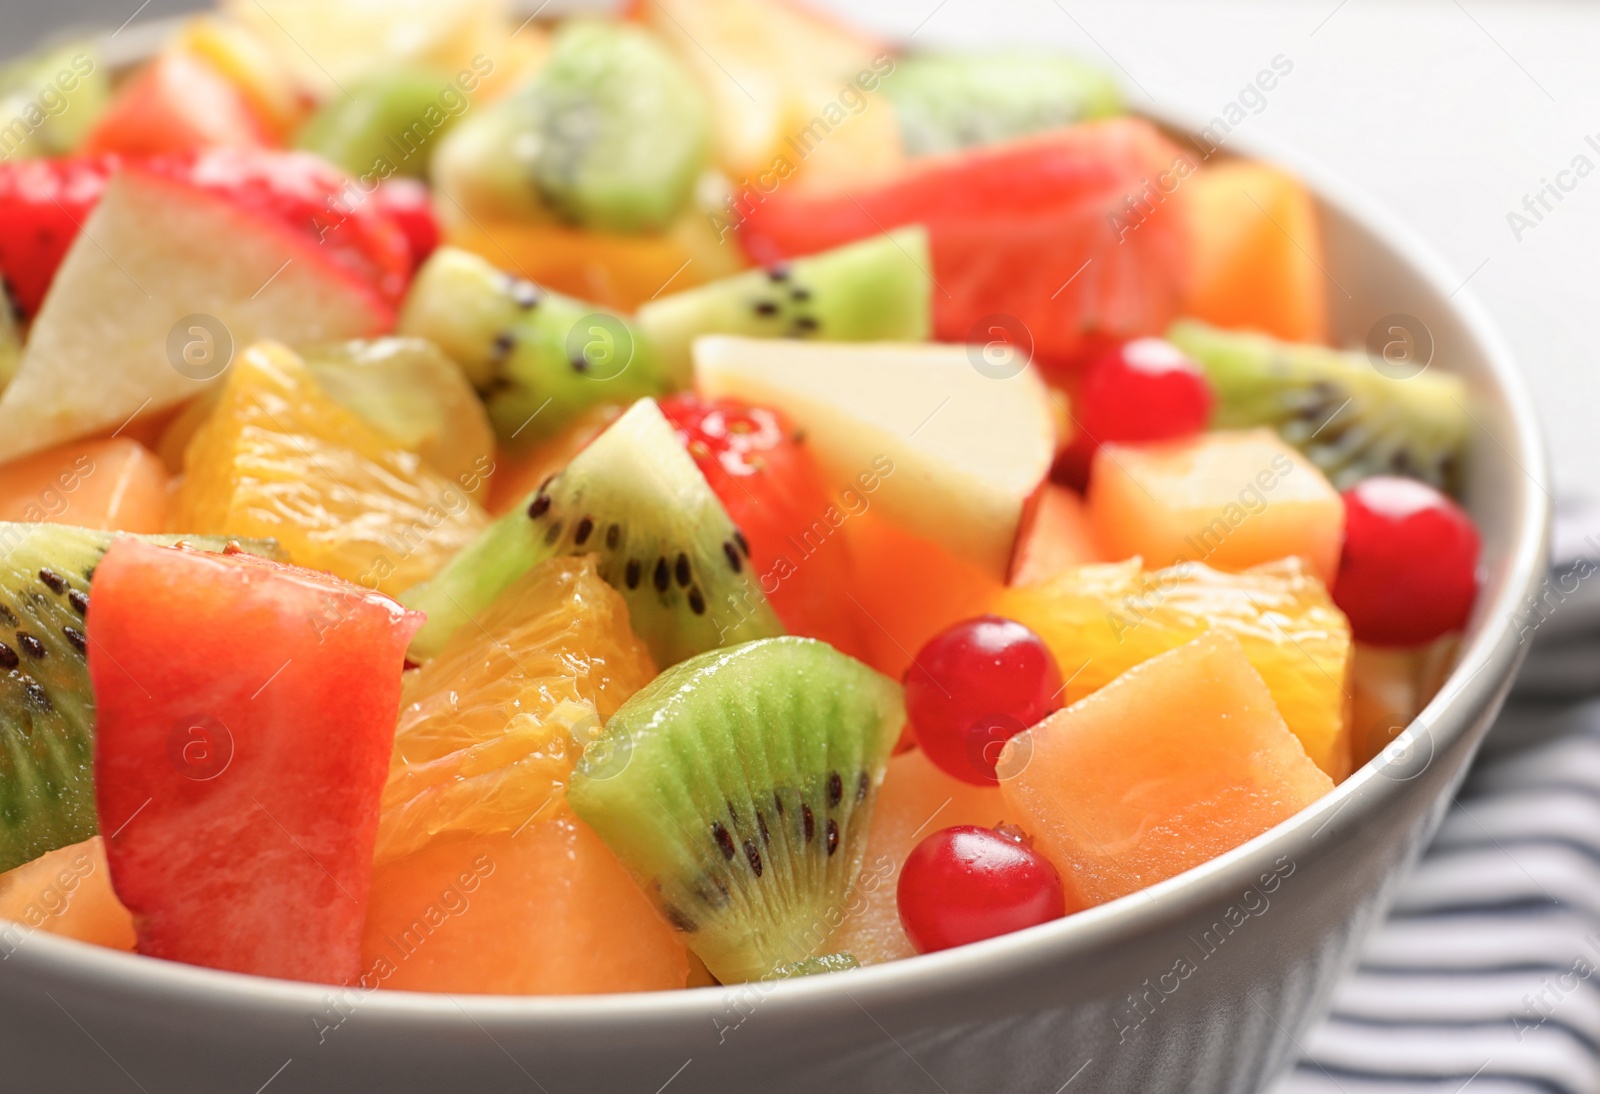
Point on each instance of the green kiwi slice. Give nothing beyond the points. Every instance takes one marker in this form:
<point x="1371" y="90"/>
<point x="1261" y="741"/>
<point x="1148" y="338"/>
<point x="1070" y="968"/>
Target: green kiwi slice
<point x="538" y="358"/>
<point x="812" y="966"/>
<point x="611" y="134"/>
<point x="635" y="499"/>
<point x="1349" y="419"/>
<point x="46" y="703"/>
<point x="876" y="290"/>
<point x="949" y="102"/>
<point x="737" y="788"/>
<point x="389" y="123"/>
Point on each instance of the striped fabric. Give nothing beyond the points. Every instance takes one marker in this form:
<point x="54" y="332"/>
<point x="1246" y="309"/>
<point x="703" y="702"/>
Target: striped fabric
<point x="1486" y="978"/>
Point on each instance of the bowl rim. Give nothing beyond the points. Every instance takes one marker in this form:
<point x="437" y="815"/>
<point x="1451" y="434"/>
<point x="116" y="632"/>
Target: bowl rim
<point x="1491" y="645"/>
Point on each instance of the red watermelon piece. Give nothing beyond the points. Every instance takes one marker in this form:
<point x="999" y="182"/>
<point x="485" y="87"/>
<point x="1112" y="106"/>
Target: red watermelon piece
<point x="1067" y="239"/>
<point x="245" y="714"/>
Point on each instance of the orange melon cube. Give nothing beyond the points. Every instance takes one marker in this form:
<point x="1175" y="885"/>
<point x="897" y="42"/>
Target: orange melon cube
<point x="547" y="910"/>
<point x="906" y="590"/>
<point x="616" y="271"/>
<point x="117" y="485"/>
<point x="1256" y="255"/>
<point x="1232" y="500"/>
<point x="1174" y="762"/>
<point x="916" y="800"/>
<point x="1057" y="537"/>
<point x="66" y="892"/>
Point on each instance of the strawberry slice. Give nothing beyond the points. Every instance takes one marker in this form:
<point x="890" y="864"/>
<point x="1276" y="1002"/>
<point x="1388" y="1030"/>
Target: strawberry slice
<point x="245" y="711"/>
<point x="767" y="480"/>
<point x="42" y="203"/>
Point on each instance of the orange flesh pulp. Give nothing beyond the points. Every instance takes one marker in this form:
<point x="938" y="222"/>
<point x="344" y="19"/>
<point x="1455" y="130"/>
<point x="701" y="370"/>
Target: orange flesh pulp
<point x="113" y="484"/>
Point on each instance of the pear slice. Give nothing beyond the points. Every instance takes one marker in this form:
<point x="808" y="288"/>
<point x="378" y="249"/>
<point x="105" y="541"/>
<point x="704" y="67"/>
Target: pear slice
<point x="959" y="437"/>
<point x="162" y="284"/>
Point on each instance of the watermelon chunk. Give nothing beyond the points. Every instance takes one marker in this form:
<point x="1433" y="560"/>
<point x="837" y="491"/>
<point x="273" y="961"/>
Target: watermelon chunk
<point x="246" y="714"/>
<point x="1065" y="239"/>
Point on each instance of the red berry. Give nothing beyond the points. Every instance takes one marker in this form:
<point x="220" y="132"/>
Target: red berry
<point x="973" y="687"/>
<point x="965" y="884"/>
<point x="1408" y="573"/>
<point x="409" y="204"/>
<point x="1143" y="390"/>
<point x="767" y="480"/>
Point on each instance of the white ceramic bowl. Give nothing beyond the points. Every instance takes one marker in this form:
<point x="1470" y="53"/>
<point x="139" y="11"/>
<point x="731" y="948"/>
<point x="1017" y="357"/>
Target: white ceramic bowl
<point x="1201" y="983"/>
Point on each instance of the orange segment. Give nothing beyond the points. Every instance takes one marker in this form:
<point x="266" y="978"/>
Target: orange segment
<point x="277" y="457"/>
<point x="117" y="485"/>
<point x="1231" y="500"/>
<point x="66" y="892"/>
<point x="1257" y="255"/>
<point x="1100" y="621"/>
<point x="917" y="799"/>
<point x="489" y="731"/>
<point x="906" y="590"/>
<point x="1173" y="763"/>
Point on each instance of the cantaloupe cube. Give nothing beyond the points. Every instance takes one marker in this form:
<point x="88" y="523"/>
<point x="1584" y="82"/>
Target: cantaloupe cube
<point x="906" y="590"/>
<point x="545" y="911"/>
<point x="66" y="892"/>
<point x="1057" y="537"/>
<point x="1256" y="259"/>
<point x="1231" y="500"/>
<point x="1169" y="765"/>
<point x="916" y="800"/>
<point x="115" y="484"/>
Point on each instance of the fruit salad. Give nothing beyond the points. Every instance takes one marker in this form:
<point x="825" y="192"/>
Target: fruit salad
<point x="700" y="496"/>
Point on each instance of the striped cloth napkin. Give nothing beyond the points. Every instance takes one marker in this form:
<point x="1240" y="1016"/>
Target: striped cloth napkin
<point x="1486" y="977"/>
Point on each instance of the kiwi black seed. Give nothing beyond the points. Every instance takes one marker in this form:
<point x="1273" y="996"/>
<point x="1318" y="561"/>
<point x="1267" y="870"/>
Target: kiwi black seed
<point x="732" y="812"/>
<point x="46" y="703"/>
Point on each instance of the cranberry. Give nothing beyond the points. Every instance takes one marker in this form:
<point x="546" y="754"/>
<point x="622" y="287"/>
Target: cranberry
<point x="965" y="884"/>
<point x="1408" y="573"/>
<point x="1143" y="390"/>
<point x="973" y="687"/>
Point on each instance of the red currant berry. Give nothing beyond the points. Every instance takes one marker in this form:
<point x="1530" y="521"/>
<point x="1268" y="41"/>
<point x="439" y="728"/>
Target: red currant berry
<point x="1143" y="390"/>
<point x="973" y="687"/>
<point x="1408" y="573"/>
<point x="965" y="884"/>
